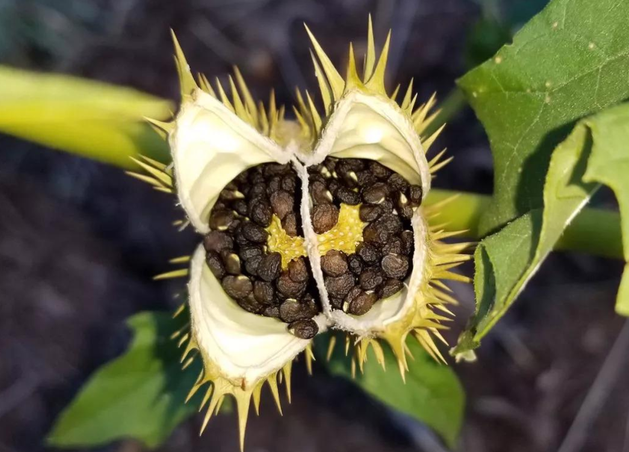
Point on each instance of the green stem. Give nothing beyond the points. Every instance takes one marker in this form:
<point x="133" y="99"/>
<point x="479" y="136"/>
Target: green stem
<point x="593" y="231"/>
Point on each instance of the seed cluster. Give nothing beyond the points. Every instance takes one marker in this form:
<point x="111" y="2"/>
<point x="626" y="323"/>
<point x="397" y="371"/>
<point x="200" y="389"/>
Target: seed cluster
<point x="381" y="262"/>
<point x="239" y="256"/>
<point x="255" y="246"/>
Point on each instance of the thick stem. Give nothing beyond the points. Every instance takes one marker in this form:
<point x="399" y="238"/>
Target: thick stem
<point x="593" y="231"/>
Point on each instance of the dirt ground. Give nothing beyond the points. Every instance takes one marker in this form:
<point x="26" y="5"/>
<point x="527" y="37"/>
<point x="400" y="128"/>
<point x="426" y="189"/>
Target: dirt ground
<point x="79" y="242"/>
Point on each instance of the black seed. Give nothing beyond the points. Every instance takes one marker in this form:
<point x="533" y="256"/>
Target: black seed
<point x="237" y="287"/>
<point x="375" y="235"/>
<point x="257" y="178"/>
<point x="221" y="219"/>
<point x="371" y="278"/>
<point x="369" y="213"/>
<point x="298" y="270"/>
<point x="270" y="267"/>
<point x="240" y="207"/>
<point x="257" y="191"/>
<point x="406" y="212"/>
<point x="395" y="266"/>
<point x="249" y="252"/>
<point x="250" y="304"/>
<point x="324" y="217"/>
<point x="289" y="224"/>
<point x="320" y="193"/>
<point x="334" y="263"/>
<point x="272" y="311"/>
<point x="403" y="206"/>
<point x="356" y="290"/>
<point x="219" y="205"/>
<point x="340" y="286"/>
<point x="386" y="206"/>
<point x="230" y="195"/>
<point x="304" y="329"/>
<point x="289" y="183"/>
<point x="291" y="310"/>
<point x="309" y="303"/>
<point x="240" y="238"/>
<point x="343" y="167"/>
<point x="251" y="265"/>
<point x="376" y="193"/>
<point x="274" y="169"/>
<point x="348" y="196"/>
<point x="350" y="179"/>
<point x="316" y="176"/>
<point x="415" y="195"/>
<point x="379" y="170"/>
<point x="346" y="169"/>
<point x="330" y="163"/>
<point x="274" y="185"/>
<point x="217" y="241"/>
<point x="354" y="164"/>
<point x="282" y="203"/>
<point x="264" y="292"/>
<point x="397" y="182"/>
<point x="408" y="242"/>
<point x="260" y="212"/>
<point x="334" y="186"/>
<point x="336" y="303"/>
<point x="289" y="288"/>
<point x="368" y="253"/>
<point x="254" y="233"/>
<point x="233" y="227"/>
<point x="393" y="245"/>
<point x="215" y="263"/>
<point x="391" y="287"/>
<point x="325" y="172"/>
<point x="389" y="223"/>
<point x="355" y="264"/>
<point x="231" y="261"/>
<point x="366" y="178"/>
<point x="362" y="303"/>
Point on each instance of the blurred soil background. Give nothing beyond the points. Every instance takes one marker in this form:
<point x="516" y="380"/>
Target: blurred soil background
<point x="80" y="241"/>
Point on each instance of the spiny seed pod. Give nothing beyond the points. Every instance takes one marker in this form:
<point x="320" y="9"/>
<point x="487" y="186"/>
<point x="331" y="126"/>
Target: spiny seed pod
<point x="307" y="225"/>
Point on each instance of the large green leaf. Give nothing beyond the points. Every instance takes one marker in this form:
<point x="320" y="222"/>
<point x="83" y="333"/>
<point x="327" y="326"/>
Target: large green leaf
<point x="140" y="394"/>
<point x="597" y="151"/>
<point x="568" y="62"/>
<point x="93" y="119"/>
<point x="431" y="394"/>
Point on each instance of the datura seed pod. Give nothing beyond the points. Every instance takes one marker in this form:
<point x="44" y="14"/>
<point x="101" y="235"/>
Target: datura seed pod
<point x="308" y="225"/>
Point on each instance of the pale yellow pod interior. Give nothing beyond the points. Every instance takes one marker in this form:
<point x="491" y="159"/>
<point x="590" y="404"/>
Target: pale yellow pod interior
<point x="244" y="346"/>
<point x="210" y="147"/>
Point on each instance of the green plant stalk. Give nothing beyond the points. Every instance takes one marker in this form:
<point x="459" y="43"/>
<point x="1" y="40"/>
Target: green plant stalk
<point x="593" y="231"/>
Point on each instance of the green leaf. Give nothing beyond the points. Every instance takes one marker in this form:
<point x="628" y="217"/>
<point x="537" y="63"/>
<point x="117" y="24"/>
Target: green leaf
<point x="432" y="393"/>
<point x="568" y="62"/>
<point x="596" y="152"/>
<point x="92" y="119"/>
<point x="140" y="394"/>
